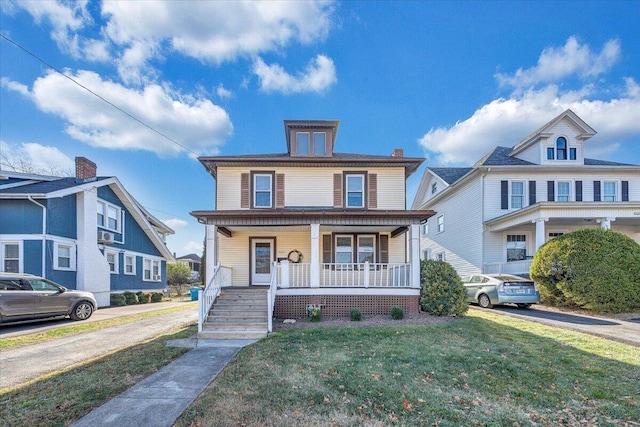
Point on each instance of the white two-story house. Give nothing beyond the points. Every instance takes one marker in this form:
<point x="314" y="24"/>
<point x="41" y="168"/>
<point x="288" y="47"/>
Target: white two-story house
<point x="492" y="217"/>
<point x="316" y="226"/>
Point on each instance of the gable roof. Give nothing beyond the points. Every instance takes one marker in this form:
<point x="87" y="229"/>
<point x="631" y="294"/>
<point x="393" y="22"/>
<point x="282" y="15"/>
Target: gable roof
<point x="584" y="130"/>
<point x="192" y="257"/>
<point x="52" y="187"/>
<point x="450" y="175"/>
<point x="501" y="156"/>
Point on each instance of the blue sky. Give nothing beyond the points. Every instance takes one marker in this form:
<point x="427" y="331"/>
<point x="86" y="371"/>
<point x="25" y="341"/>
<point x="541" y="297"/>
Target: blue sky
<point x="447" y="81"/>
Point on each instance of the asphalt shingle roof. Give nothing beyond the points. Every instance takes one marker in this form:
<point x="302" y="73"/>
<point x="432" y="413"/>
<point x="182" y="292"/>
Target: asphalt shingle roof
<point x="45" y="187"/>
<point x="500" y="157"/>
<point x="451" y="175"/>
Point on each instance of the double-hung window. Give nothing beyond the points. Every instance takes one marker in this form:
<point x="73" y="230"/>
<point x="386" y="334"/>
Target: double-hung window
<point x="564" y="191"/>
<point x="355" y="190"/>
<point x="517" y="194"/>
<point x="302" y="143"/>
<point x="130" y="264"/>
<point x="262" y="190"/>
<point x="344" y="249"/>
<point x="366" y="249"/>
<point x="64" y="256"/>
<point x="109" y="216"/>
<point x="516" y="247"/>
<point x="609" y="191"/>
<point x="425" y="229"/>
<point x="319" y="143"/>
<point x="112" y="259"/>
<point x="434" y="188"/>
<point x="10" y="254"/>
<point x="440" y="224"/>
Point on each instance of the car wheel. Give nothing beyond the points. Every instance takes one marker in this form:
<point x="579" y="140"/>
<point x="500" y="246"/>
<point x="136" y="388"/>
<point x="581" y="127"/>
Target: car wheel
<point x="484" y="301"/>
<point x="524" y="305"/>
<point x="82" y="311"/>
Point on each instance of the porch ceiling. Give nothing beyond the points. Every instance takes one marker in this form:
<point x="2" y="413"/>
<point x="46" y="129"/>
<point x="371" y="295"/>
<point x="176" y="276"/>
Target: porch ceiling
<point x="277" y="229"/>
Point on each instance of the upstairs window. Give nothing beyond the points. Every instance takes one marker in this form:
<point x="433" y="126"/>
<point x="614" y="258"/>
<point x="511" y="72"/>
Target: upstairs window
<point x="262" y="190"/>
<point x="564" y="191"/>
<point x="434" y="188"/>
<point x="440" y="224"/>
<point x="302" y="143"/>
<point x="425" y="228"/>
<point x="572" y="154"/>
<point x="517" y="194"/>
<point x="355" y="190"/>
<point x="609" y="191"/>
<point x="319" y="143"/>
<point x="109" y="216"/>
<point x="561" y="148"/>
<point x="551" y="153"/>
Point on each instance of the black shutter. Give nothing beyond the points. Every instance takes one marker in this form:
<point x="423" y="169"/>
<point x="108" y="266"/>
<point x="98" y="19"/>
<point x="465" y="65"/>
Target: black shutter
<point x="596" y="191"/>
<point x="326" y="248"/>
<point x="532" y="193"/>
<point x="551" y="187"/>
<point x="504" y="194"/>
<point x="384" y="248"/>
<point x="625" y="191"/>
<point x="578" y="191"/>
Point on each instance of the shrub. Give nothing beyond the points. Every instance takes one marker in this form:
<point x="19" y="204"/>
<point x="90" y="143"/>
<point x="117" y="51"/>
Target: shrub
<point x="314" y="313"/>
<point x="130" y="298"/>
<point x="594" y="269"/>
<point x="442" y="292"/>
<point x="143" y="298"/>
<point x="397" y="313"/>
<point x="156" y="297"/>
<point x="117" y="300"/>
<point x="355" y="315"/>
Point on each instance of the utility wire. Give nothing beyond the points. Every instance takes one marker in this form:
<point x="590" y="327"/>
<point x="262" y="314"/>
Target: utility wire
<point x="96" y="95"/>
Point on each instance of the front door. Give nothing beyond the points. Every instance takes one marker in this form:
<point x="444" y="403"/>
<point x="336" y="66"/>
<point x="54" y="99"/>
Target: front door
<point x="262" y="257"/>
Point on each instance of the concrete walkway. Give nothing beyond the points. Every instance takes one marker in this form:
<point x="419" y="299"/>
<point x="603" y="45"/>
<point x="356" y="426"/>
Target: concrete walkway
<point x="160" y="399"/>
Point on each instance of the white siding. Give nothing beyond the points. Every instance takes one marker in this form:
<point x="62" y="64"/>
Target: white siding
<point x="397" y="247"/>
<point x="312" y="187"/>
<point x="462" y="237"/>
<point x="532" y="154"/>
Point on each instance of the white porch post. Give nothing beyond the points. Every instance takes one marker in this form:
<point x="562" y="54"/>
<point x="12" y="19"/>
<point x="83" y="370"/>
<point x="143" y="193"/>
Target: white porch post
<point x="540" y="234"/>
<point x="314" y="268"/>
<point x="210" y="262"/>
<point x="605" y="223"/>
<point x="414" y="253"/>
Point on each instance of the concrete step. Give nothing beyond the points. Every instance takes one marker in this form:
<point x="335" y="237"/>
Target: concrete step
<point x="219" y="327"/>
<point x="233" y="335"/>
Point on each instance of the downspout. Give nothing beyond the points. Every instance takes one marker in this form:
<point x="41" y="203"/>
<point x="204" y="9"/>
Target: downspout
<point x="44" y="235"/>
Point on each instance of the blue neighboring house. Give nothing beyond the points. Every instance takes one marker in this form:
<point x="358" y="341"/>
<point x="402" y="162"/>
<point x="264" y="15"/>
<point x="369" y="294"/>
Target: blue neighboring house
<point x="84" y="232"/>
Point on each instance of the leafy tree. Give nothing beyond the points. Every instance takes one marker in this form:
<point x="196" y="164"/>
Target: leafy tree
<point x="178" y="274"/>
<point x="442" y="292"/>
<point x="592" y="268"/>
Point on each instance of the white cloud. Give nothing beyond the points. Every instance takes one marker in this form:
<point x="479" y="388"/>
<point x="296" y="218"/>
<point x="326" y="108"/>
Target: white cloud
<point x="31" y="157"/>
<point x="15" y="86"/>
<point x="176" y="223"/>
<point x="223" y="92"/>
<point x="197" y="124"/>
<point x="505" y="121"/>
<point x="319" y="75"/>
<point x="559" y="62"/>
<point x="193" y="247"/>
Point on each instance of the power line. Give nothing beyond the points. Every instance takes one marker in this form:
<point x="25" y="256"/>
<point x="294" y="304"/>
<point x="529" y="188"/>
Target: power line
<point x="96" y="95"/>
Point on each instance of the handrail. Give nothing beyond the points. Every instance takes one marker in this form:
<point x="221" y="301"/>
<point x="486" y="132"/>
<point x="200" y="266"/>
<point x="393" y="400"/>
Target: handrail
<point x="271" y="297"/>
<point x="208" y="296"/>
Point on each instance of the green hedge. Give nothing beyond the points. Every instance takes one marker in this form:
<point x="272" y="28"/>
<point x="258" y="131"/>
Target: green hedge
<point x="442" y="292"/>
<point x="594" y="269"/>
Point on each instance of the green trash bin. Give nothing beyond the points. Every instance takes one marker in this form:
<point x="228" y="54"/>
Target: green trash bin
<point x="194" y="293"/>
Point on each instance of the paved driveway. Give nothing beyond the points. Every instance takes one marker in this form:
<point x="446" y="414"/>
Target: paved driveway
<point x="25" y="363"/>
<point x="627" y="331"/>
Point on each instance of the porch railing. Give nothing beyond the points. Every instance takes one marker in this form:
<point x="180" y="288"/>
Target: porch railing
<point x="221" y="276"/>
<point x="271" y="296"/>
<point x="511" y="267"/>
<point x="361" y="275"/>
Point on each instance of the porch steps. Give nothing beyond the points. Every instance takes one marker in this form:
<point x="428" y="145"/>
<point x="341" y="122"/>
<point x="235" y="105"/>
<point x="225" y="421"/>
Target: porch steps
<point x="238" y="313"/>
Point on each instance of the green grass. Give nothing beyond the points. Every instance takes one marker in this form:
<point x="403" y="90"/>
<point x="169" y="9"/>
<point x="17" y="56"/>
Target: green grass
<point x="485" y="369"/>
<point x="7" y="343"/>
<point x="64" y="397"/>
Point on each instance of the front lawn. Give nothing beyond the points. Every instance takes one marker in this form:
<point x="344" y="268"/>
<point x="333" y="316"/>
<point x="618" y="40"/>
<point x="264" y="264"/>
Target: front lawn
<point x="485" y="369"/>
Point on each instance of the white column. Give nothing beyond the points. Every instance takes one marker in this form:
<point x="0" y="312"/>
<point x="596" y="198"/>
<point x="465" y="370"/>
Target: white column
<point x="210" y="262"/>
<point x="540" y="233"/>
<point x="605" y="223"/>
<point x="414" y="254"/>
<point x="285" y="273"/>
<point x="314" y="268"/>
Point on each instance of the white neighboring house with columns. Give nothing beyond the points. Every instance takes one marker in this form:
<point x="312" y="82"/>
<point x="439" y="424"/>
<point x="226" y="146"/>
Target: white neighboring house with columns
<point x="314" y="225"/>
<point x="492" y="217"/>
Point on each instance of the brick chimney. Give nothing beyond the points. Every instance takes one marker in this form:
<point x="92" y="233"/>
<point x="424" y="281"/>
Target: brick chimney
<point x="85" y="170"/>
<point x="398" y="152"/>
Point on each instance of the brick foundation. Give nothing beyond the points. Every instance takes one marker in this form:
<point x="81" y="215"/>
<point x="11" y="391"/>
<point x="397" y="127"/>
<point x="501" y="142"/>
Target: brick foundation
<point x="295" y="306"/>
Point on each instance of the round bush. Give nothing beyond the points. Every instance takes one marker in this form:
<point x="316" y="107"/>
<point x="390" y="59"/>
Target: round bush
<point x="594" y="269"/>
<point x="143" y="298"/>
<point x="117" y="300"/>
<point x="442" y="292"/>
<point x="130" y="298"/>
<point x="156" y="297"/>
<point x="355" y="315"/>
<point x="397" y="313"/>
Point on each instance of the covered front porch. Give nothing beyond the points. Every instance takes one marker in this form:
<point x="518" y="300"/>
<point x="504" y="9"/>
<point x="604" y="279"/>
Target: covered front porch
<point x="520" y="234"/>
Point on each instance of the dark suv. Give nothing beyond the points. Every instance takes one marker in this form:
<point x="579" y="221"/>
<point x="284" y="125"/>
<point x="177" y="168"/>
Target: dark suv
<point x="28" y="297"/>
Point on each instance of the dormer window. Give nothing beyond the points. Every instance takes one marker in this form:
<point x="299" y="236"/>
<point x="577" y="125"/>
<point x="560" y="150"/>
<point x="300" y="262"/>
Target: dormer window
<point x="302" y="143"/>
<point x="319" y="143"/>
<point x="434" y="188"/>
<point x="559" y="152"/>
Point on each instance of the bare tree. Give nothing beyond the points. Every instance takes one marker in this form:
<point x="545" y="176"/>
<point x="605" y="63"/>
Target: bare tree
<point x="22" y="163"/>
